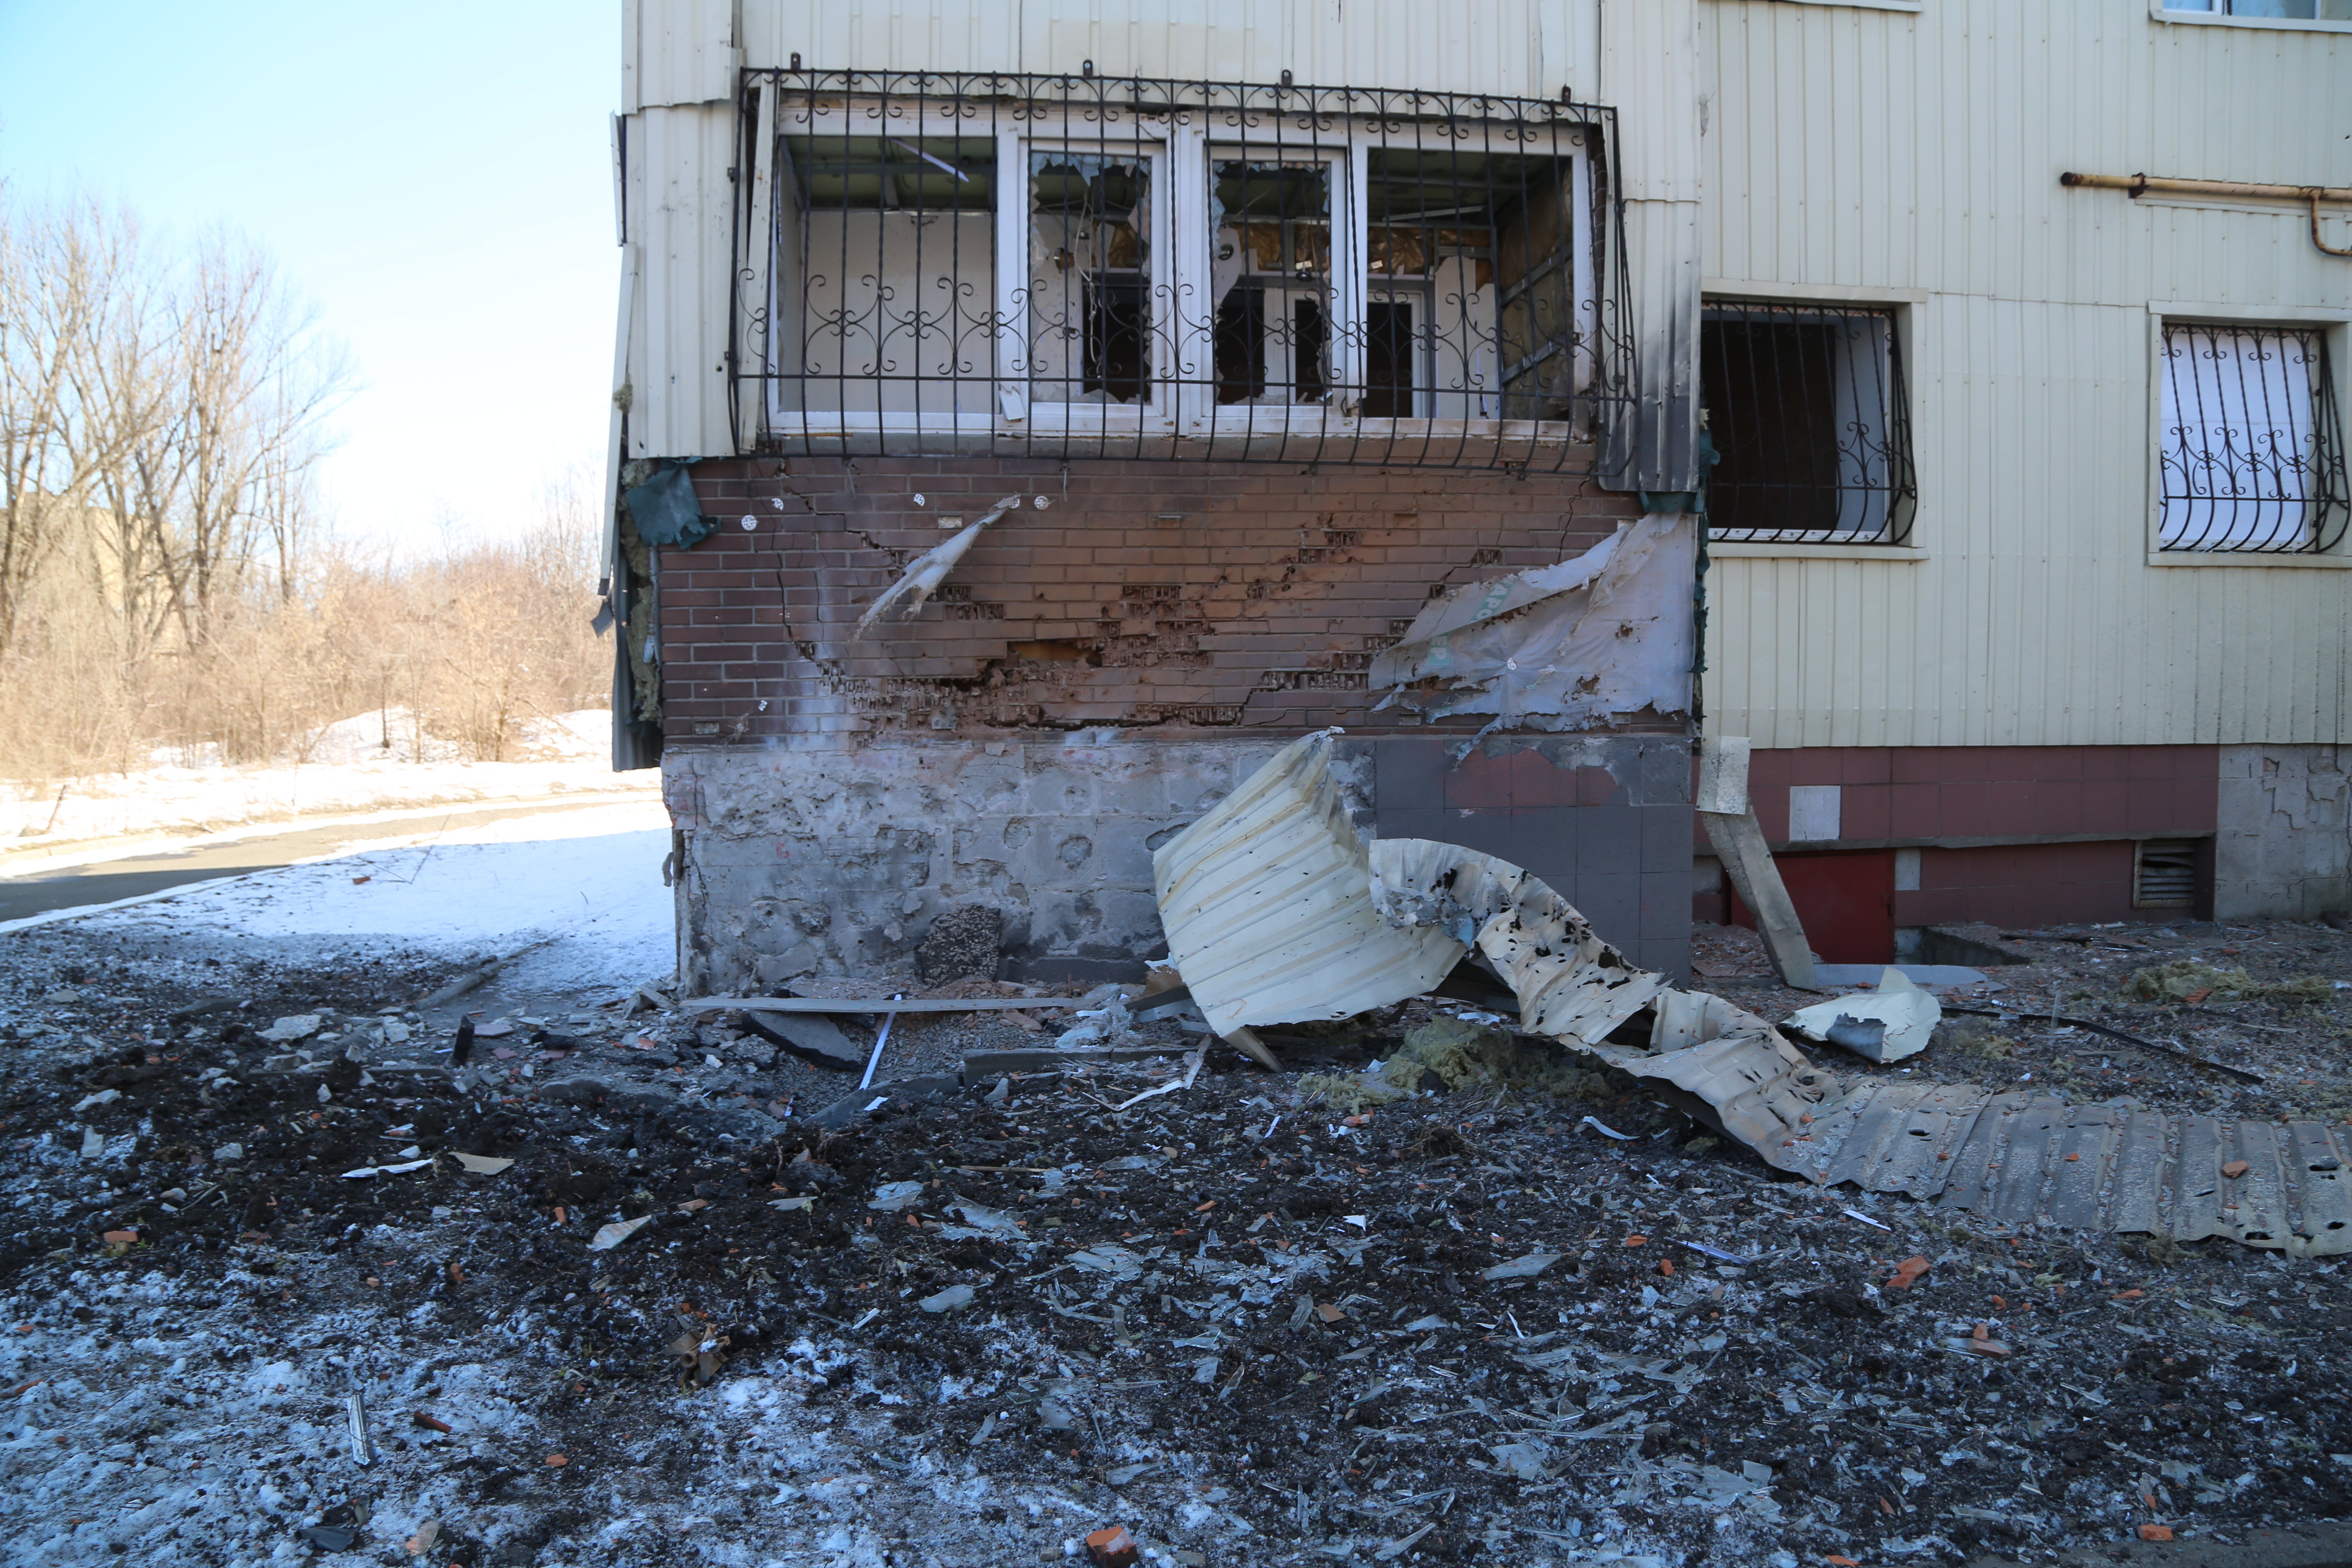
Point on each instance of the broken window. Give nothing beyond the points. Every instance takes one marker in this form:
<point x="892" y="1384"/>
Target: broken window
<point x="1806" y="407"/>
<point x="1027" y="265"/>
<point x="1090" y="294"/>
<point x="890" y="240"/>
<point x="2251" y="451"/>
<point x="1270" y="221"/>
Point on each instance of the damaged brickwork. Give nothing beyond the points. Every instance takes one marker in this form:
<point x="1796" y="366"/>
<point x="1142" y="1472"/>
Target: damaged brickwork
<point x="1092" y="674"/>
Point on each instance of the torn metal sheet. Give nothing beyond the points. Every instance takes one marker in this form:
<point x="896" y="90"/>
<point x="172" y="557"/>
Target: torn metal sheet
<point x="1267" y="904"/>
<point x="1276" y="911"/>
<point x="1560" y="646"/>
<point x="928" y="570"/>
<point x="1570" y="982"/>
<point x="1886" y="1025"/>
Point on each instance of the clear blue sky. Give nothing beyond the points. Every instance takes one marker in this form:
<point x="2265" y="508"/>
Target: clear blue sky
<point x="436" y="177"/>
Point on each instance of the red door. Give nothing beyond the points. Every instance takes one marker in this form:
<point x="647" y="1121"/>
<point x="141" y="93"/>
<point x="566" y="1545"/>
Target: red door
<point x="1846" y="901"/>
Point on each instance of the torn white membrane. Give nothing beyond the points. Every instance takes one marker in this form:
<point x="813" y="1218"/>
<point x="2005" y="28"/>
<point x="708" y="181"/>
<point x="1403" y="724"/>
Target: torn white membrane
<point x="928" y="570"/>
<point x="1560" y="646"/>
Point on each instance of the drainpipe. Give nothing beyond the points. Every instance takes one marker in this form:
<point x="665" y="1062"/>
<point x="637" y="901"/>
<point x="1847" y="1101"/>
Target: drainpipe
<point x="2145" y="185"/>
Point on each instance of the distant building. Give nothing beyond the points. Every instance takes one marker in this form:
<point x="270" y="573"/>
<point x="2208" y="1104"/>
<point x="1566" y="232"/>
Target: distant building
<point x="1280" y="322"/>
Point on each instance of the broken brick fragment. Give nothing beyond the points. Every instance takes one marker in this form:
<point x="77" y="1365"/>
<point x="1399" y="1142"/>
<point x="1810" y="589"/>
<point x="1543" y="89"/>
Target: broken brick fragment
<point x="1907" y="1272"/>
<point x="1112" y="1547"/>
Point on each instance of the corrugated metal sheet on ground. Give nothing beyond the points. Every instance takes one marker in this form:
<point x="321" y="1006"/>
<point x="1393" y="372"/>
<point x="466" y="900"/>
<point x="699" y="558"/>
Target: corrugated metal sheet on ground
<point x="2029" y="1159"/>
<point x="1275" y="909"/>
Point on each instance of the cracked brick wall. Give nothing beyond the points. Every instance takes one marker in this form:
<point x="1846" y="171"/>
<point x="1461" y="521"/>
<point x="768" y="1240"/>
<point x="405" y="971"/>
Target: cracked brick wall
<point x="1092" y="675"/>
<point x="1157" y="595"/>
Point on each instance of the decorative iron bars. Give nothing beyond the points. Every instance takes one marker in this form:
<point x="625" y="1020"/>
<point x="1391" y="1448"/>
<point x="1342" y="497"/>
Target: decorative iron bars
<point x="2252" y="458"/>
<point x="1068" y="266"/>
<point x="1806" y="407"/>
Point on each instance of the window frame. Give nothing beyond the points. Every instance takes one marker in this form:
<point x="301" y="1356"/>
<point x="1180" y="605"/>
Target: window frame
<point x="1163" y="284"/>
<point x="2160" y="11"/>
<point x="2335" y="326"/>
<point x="1901" y="307"/>
<point x="1184" y="143"/>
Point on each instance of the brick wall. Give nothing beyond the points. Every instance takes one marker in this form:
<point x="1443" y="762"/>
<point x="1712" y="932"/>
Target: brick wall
<point x="1175" y="596"/>
<point x="1093" y="675"/>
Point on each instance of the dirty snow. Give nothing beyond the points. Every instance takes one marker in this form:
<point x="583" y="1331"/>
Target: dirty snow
<point x="584" y="881"/>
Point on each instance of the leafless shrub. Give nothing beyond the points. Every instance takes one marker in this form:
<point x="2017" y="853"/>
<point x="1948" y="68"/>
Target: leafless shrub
<point x="165" y="582"/>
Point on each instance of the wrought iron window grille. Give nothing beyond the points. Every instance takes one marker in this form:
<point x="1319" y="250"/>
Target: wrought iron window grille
<point x="1075" y="266"/>
<point x="1810" y="417"/>
<point x="2250" y="453"/>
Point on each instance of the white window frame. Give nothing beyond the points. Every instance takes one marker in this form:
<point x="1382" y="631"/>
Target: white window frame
<point x="1345" y="169"/>
<point x="1183" y="147"/>
<point x="2336" y="326"/>
<point x="2210" y="16"/>
<point x="1164" y="148"/>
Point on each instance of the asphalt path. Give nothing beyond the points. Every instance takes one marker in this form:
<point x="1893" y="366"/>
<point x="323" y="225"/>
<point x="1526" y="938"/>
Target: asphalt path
<point x="160" y="870"/>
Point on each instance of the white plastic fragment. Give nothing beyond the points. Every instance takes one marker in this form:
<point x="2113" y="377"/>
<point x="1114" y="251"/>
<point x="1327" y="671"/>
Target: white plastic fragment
<point x="611" y="1236"/>
<point x="949" y="1299"/>
<point x="399" y="1170"/>
<point x="104" y="1097"/>
<point x="890" y="1197"/>
<point x="227" y="1152"/>
<point x="297" y="1027"/>
<point x="483" y="1164"/>
<point x="928" y="570"/>
<point x="1608" y="1131"/>
<point x="93" y="1145"/>
<point x="789" y="1204"/>
<point x="1906" y="1017"/>
<point x="1527" y="1267"/>
<point x="1857" y="1213"/>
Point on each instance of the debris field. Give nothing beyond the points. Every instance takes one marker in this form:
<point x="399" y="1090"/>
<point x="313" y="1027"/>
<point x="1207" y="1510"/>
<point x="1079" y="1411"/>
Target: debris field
<point x="1493" y="1301"/>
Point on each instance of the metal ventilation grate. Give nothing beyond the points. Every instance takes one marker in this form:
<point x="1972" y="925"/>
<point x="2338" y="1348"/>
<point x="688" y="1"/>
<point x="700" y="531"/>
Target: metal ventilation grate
<point x="2164" y="874"/>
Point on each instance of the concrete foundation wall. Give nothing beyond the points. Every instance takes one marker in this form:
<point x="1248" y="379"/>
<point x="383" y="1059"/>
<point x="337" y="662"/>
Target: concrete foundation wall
<point x="810" y="862"/>
<point x="2284" y="846"/>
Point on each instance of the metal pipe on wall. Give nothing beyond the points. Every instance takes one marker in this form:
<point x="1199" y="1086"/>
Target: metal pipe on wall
<point x="2142" y="185"/>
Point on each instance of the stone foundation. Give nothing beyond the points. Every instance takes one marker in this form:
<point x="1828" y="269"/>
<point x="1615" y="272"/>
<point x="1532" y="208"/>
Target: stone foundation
<point x="820" y="863"/>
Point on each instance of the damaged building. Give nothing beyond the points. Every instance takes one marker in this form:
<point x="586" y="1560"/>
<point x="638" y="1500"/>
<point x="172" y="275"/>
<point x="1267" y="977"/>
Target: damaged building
<point x="1027" y="425"/>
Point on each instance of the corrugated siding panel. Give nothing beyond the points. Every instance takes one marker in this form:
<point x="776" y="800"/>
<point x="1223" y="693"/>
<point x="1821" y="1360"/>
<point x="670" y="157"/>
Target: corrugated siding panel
<point x="677" y="51"/>
<point x="1650" y="71"/>
<point x="1518" y="48"/>
<point x="681" y="221"/>
<point x="1863" y="149"/>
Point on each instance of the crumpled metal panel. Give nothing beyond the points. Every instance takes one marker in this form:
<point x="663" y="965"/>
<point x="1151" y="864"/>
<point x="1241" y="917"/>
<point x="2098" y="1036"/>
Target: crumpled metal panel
<point x="1570" y="982"/>
<point x="1275" y="911"/>
<point x="1267" y="904"/>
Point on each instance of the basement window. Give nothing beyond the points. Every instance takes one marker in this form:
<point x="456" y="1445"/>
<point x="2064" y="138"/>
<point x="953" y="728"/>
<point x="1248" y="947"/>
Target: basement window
<point x="2251" y="448"/>
<point x="2164" y="874"/>
<point x="1806" y="409"/>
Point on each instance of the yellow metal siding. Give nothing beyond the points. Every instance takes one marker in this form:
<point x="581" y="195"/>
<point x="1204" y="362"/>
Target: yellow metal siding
<point x="1516" y="47"/>
<point x="1852" y="148"/>
<point x="679" y="218"/>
